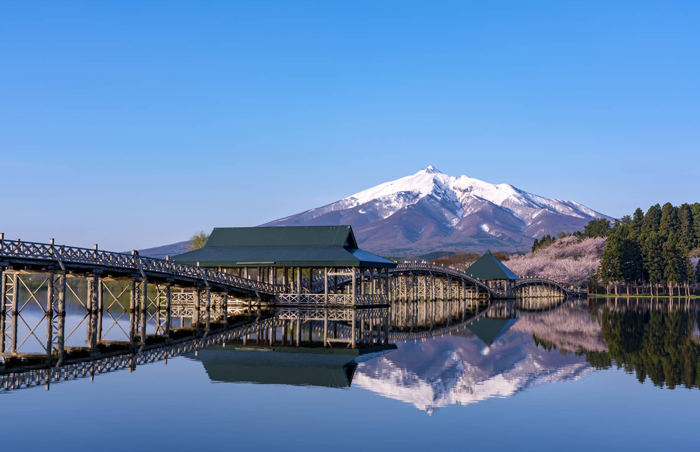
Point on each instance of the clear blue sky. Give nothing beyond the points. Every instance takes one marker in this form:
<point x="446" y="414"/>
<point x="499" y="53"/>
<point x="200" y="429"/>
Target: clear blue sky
<point x="133" y="124"/>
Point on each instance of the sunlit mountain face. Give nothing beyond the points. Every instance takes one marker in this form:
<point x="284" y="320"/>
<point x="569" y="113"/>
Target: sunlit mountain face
<point x="462" y="369"/>
<point x="431" y="211"/>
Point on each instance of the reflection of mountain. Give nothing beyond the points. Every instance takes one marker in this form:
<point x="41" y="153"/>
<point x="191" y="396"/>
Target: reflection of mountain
<point x="462" y="370"/>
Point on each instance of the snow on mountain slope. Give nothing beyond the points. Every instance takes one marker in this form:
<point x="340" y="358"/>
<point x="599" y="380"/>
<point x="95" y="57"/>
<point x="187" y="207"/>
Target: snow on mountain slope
<point x="431" y="211"/>
<point x="456" y="370"/>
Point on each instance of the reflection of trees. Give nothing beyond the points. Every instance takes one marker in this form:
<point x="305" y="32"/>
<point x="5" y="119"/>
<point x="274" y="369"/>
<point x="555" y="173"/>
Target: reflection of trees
<point x="654" y="344"/>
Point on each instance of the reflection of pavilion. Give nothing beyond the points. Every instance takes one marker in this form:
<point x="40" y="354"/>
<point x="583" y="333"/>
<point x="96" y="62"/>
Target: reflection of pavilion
<point x="488" y="330"/>
<point x="227" y="365"/>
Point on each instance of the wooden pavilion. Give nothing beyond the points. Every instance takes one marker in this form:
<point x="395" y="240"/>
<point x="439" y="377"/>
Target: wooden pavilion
<point x="500" y="279"/>
<point x="319" y="272"/>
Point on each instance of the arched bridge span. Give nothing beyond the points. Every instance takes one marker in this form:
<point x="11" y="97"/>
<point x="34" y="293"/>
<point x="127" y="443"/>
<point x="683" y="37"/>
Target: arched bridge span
<point x="533" y="287"/>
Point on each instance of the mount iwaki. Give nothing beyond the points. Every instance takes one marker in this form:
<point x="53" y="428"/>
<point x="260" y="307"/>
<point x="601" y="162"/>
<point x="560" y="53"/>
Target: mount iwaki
<point x="430" y="211"/>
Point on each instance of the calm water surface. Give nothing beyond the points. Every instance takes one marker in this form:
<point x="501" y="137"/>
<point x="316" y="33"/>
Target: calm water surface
<point x="600" y="374"/>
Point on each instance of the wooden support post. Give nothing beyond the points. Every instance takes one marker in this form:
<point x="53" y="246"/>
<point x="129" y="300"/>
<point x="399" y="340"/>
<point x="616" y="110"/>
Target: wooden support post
<point x="100" y="308"/>
<point x="144" y="309"/>
<point x="60" y="304"/>
<point x="50" y="312"/>
<point x="197" y="307"/>
<point x="3" y="310"/>
<point x="207" y="307"/>
<point x="353" y="339"/>
<point x="386" y="328"/>
<point x="133" y="299"/>
<point x="224" y="307"/>
<point x="168" y="309"/>
<point x="325" y="310"/>
<point x="14" y="305"/>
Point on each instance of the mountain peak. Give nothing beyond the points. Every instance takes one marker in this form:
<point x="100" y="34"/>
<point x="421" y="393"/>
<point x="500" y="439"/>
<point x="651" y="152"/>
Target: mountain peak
<point x="430" y="170"/>
<point x="431" y="211"/>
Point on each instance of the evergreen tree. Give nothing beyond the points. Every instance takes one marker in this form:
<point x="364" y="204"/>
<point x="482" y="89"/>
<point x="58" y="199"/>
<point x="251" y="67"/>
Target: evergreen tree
<point x="632" y="261"/>
<point x="652" y="220"/>
<point x="669" y="221"/>
<point x="611" y="263"/>
<point x="686" y="235"/>
<point x="653" y="262"/>
<point x="597" y="228"/>
<point x="673" y="262"/>
<point x="637" y="220"/>
<point x="695" y="211"/>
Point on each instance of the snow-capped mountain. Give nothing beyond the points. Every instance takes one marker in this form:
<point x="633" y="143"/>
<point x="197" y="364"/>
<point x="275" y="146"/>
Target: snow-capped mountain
<point x="431" y="211"/>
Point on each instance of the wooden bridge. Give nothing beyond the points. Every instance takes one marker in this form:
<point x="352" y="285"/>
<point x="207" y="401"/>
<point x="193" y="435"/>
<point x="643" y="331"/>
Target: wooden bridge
<point x="157" y="294"/>
<point x="534" y="287"/>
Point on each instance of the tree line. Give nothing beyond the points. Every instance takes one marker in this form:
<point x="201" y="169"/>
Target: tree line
<point x="653" y="249"/>
<point x="594" y="229"/>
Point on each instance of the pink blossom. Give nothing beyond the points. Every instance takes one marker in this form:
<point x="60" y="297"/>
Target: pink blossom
<point x="567" y="261"/>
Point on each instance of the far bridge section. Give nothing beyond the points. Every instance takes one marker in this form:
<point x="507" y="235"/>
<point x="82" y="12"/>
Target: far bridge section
<point x="533" y="287"/>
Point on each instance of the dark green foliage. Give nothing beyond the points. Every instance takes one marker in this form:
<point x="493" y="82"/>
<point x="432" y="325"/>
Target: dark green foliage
<point x="622" y="259"/>
<point x="544" y="242"/>
<point x="652" y="220"/>
<point x="653" y="263"/>
<point x="669" y="221"/>
<point x="686" y="235"/>
<point x="655" y="247"/>
<point x="597" y="228"/>
<point x="695" y="210"/>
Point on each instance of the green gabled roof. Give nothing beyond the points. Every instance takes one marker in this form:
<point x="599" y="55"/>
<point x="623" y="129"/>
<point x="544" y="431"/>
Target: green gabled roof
<point x="290" y="246"/>
<point x="488" y="267"/>
<point x="488" y="330"/>
<point x="284" y="236"/>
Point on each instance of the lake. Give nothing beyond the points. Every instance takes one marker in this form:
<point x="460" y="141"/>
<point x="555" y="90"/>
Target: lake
<point x="609" y="374"/>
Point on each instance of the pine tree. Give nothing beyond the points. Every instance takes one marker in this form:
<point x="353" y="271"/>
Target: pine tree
<point x="652" y="220"/>
<point x="695" y="210"/>
<point x="632" y="261"/>
<point x="669" y="221"/>
<point x="672" y="259"/>
<point x="611" y="262"/>
<point x="653" y="263"/>
<point x="637" y="220"/>
<point x="686" y="235"/>
<point x="597" y="228"/>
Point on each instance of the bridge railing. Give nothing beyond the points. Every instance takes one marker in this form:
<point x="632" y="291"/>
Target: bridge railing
<point x="63" y="254"/>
